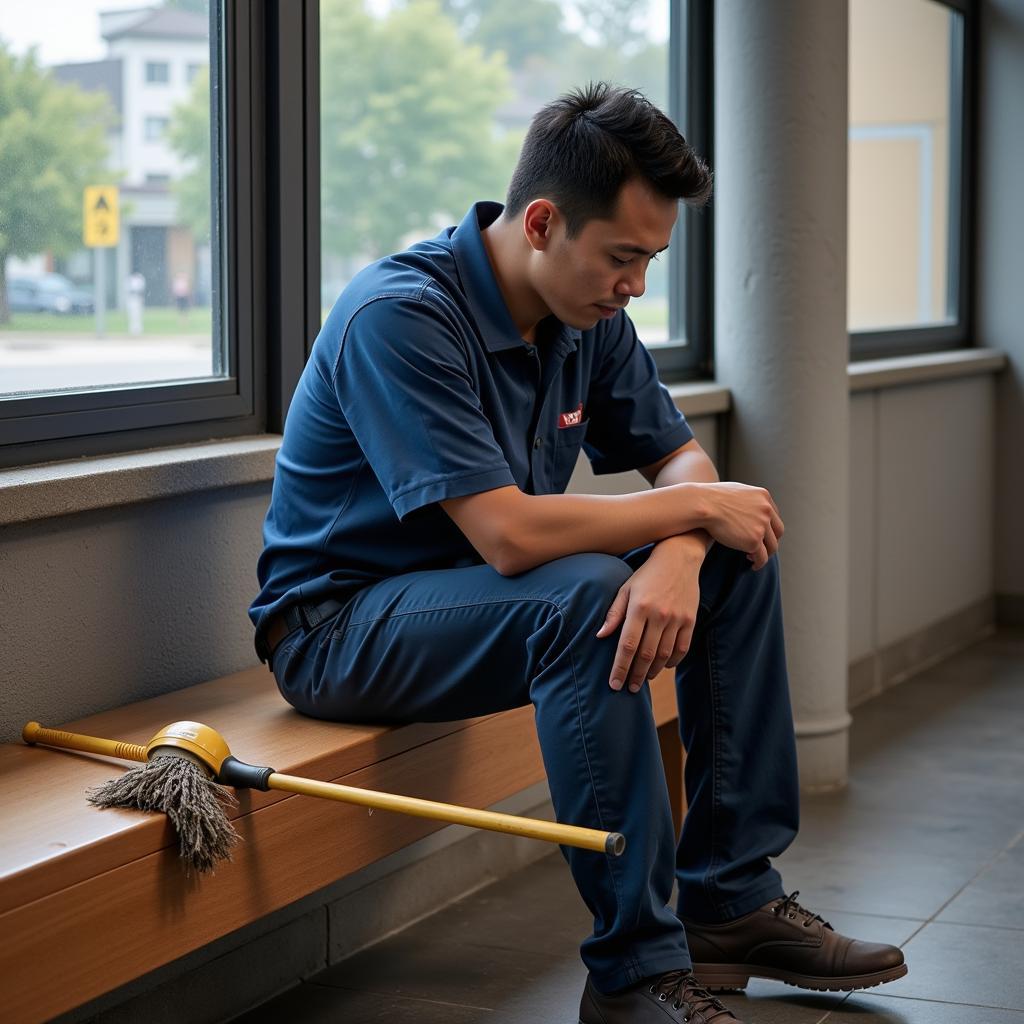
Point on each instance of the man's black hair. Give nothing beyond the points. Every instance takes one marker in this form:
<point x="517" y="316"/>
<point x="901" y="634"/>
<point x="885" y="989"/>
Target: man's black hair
<point x="584" y="146"/>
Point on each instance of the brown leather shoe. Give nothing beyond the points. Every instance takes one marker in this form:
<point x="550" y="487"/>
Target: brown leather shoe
<point x="782" y="940"/>
<point x="672" y="998"/>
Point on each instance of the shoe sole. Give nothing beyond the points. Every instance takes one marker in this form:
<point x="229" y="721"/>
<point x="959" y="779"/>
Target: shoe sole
<point x="735" y="977"/>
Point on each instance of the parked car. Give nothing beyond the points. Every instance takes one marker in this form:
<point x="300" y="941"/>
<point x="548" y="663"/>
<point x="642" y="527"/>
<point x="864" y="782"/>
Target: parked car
<point x="47" y="293"/>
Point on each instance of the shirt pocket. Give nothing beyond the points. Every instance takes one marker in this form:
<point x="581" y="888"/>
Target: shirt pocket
<point x="567" y="446"/>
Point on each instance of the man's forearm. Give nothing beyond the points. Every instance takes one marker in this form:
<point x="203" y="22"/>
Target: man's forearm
<point x="514" y="531"/>
<point x="688" y="467"/>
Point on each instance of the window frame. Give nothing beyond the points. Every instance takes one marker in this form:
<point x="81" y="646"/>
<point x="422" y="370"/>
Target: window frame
<point x="902" y="341"/>
<point x="42" y="428"/>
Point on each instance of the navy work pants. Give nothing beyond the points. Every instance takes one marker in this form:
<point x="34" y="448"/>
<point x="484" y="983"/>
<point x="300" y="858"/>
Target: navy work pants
<point x="457" y="643"/>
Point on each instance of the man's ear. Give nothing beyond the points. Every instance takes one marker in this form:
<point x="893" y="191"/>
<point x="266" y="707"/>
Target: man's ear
<point x="539" y="219"/>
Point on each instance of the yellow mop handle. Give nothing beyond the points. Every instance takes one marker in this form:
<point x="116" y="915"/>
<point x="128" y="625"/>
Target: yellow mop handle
<point x="35" y="733"/>
<point x="533" y="828"/>
<point x="185" y="734"/>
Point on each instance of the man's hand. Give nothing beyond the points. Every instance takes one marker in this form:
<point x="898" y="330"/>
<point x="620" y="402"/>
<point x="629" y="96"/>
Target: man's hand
<point x="657" y="609"/>
<point x="745" y="518"/>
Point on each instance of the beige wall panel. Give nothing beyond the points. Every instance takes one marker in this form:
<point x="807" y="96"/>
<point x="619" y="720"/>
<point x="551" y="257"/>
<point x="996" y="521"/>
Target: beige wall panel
<point x="935" y="480"/>
<point x="863" y="530"/>
<point x="886" y="83"/>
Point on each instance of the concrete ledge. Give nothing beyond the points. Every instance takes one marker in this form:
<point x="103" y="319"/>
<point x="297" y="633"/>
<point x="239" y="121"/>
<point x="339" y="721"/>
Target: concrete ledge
<point x="64" y="488"/>
<point x="901" y="371"/>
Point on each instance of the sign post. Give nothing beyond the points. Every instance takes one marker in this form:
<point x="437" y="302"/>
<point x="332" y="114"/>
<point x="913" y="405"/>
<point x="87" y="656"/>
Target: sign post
<point x="101" y="229"/>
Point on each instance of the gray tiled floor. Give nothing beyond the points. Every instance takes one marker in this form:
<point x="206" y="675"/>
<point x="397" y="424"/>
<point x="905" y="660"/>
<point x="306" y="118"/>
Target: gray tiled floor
<point x="925" y="849"/>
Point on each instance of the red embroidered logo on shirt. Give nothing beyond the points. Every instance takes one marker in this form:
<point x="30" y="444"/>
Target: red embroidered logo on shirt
<point x="571" y="419"/>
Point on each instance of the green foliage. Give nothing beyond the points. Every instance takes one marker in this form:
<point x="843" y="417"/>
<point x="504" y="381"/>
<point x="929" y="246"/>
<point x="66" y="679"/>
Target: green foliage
<point x="407" y="126"/>
<point x="526" y="31"/>
<point x="189" y="135"/>
<point x="52" y="144"/>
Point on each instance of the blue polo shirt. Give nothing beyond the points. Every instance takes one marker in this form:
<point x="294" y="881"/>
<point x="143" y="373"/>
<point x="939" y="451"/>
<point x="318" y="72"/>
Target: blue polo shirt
<point x="420" y="388"/>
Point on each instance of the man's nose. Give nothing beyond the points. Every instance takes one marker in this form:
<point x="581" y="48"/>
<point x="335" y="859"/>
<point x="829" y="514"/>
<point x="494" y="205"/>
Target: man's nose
<point x="631" y="285"/>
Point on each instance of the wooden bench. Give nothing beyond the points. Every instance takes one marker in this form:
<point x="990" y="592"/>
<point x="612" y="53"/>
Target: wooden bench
<point x="91" y="899"/>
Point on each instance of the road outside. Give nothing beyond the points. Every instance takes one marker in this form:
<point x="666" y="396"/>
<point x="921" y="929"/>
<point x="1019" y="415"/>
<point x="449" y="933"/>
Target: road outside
<point x="41" y="353"/>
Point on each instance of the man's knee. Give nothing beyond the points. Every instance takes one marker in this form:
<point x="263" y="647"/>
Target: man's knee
<point x="596" y="576"/>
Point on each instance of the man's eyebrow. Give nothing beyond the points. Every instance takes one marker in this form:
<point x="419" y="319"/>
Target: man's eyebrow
<point x="638" y="250"/>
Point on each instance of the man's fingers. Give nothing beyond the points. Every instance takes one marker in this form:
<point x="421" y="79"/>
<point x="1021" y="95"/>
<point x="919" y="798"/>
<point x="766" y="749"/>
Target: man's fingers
<point x="759" y="556"/>
<point x="778" y="527"/>
<point x="626" y="653"/>
<point x="616" y="611"/>
<point x="682" y="645"/>
<point x="646" y="652"/>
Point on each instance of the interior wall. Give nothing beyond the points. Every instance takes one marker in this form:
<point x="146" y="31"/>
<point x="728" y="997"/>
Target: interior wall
<point x="922" y="505"/>
<point x="117" y="605"/>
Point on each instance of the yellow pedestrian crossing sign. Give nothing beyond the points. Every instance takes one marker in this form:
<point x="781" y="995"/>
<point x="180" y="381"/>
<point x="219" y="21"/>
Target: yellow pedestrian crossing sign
<point x="101" y="220"/>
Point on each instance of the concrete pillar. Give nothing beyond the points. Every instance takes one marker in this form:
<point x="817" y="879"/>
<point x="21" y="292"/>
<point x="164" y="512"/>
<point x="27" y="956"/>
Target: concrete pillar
<point x="780" y="325"/>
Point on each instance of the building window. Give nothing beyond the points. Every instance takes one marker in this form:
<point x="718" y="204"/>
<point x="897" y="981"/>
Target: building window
<point x="422" y="113"/>
<point x="191" y="70"/>
<point x="155" y="128"/>
<point x="158" y="72"/>
<point x="126" y="263"/>
<point x="908" y="188"/>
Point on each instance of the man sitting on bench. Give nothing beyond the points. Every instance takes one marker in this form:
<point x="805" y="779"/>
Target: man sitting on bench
<point x="422" y="562"/>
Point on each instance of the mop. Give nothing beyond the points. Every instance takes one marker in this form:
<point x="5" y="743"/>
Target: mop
<point x="186" y="766"/>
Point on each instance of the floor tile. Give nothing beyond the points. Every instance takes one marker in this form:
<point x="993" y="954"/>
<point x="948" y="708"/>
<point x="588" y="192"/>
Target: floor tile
<point x="771" y="1002"/>
<point x="317" y="1004"/>
<point x="961" y="963"/>
<point x="996" y="897"/>
<point x="869" y="927"/>
<point x="534" y="986"/>
<point x="864" y="1008"/>
<point x="873" y="880"/>
<point x="538" y="909"/>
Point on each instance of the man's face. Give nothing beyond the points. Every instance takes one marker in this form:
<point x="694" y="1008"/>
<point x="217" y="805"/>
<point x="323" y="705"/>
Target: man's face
<point x="587" y="278"/>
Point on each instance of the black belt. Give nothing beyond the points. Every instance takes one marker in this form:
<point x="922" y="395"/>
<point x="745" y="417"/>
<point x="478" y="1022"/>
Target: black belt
<point x="296" y="616"/>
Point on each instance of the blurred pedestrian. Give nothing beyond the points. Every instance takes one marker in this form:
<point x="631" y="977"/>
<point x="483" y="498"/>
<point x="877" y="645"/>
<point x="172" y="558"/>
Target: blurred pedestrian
<point x="181" y="291"/>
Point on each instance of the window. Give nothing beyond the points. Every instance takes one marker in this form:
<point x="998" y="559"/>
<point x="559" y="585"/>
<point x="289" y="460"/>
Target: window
<point x="158" y="72"/>
<point x="125" y="314"/>
<point x="191" y="312"/>
<point x="154" y="128"/>
<point x="423" y="112"/>
<point x="908" y="175"/>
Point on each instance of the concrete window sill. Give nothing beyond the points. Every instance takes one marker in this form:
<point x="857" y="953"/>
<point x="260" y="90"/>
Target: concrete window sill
<point x="63" y="488"/>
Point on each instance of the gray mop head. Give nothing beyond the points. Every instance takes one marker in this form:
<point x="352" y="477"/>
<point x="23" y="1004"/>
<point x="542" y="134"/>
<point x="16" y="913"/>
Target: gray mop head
<point x="184" y="792"/>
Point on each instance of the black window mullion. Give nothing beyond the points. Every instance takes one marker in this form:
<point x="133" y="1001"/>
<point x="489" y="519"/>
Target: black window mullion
<point x="691" y="88"/>
<point x="293" y="201"/>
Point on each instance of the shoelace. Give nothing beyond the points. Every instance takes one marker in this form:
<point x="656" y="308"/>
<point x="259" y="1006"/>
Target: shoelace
<point x="790" y="908"/>
<point x="682" y="988"/>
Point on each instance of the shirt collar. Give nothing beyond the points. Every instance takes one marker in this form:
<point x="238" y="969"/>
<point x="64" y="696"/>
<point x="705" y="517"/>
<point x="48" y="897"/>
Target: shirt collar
<point x="497" y="328"/>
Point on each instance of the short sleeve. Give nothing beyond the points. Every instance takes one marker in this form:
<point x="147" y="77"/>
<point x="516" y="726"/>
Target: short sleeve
<point x="633" y="420"/>
<point x="403" y="381"/>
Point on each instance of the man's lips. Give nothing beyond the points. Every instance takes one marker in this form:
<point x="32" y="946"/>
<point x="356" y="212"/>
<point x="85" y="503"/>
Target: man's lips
<point x="608" y="311"/>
